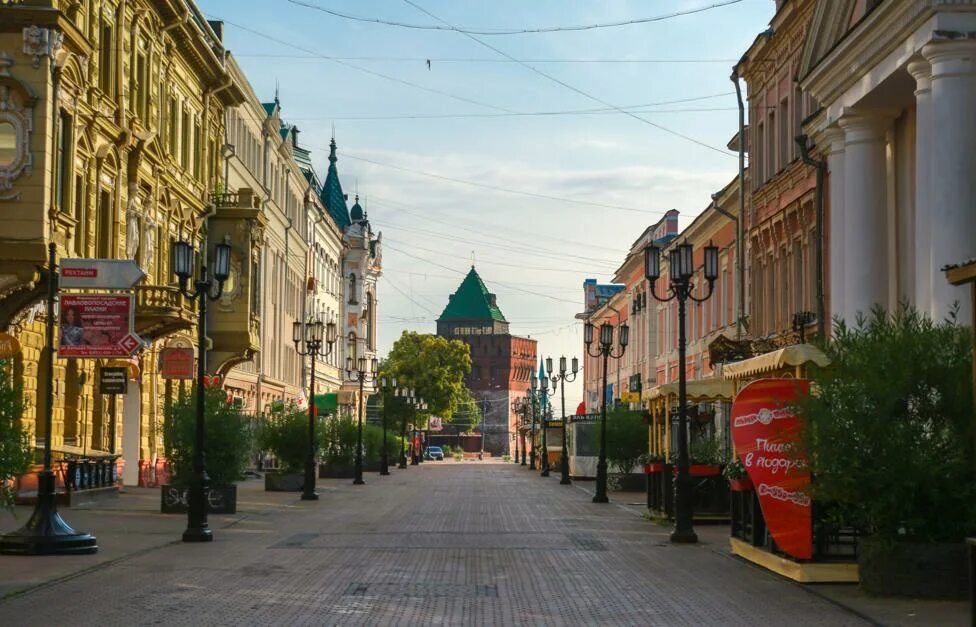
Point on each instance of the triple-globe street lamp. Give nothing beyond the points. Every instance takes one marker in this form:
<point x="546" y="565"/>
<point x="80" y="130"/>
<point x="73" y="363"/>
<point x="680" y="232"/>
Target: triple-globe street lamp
<point x="517" y="410"/>
<point x="197" y="529"/>
<point x="308" y="338"/>
<point x="605" y="350"/>
<point x="543" y="411"/>
<point x="388" y="386"/>
<point x="681" y="265"/>
<point x="364" y="369"/>
<point x="561" y="378"/>
<point x="407" y="394"/>
<point x="531" y="393"/>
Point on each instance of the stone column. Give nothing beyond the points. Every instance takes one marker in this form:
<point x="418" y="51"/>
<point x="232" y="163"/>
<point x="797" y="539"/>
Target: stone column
<point x="952" y="186"/>
<point x="865" y="268"/>
<point x="921" y="71"/>
<point x="834" y="267"/>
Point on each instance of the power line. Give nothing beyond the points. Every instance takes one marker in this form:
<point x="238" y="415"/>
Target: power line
<point x="495" y="187"/>
<point x="571" y="87"/>
<point x="408" y="297"/>
<point x="513" y="31"/>
<point x="363" y="69"/>
<point x="460" y="116"/>
<point x="486" y="59"/>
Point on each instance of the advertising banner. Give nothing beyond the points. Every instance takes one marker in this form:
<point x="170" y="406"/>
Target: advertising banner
<point x="96" y="325"/>
<point x="766" y="433"/>
<point x="435" y="424"/>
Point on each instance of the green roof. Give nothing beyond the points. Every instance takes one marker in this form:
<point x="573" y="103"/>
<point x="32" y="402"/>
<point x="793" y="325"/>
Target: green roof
<point x="332" y="196"/>
<point x="472" y="301"/>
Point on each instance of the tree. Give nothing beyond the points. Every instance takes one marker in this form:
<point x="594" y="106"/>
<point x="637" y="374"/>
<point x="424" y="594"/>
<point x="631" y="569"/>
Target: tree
<point x="889" y="427"/>
<point x="435" y="367"/>
<point x="626" y="438"/>
<point x="15" y="450"/>
<point x="467" y="415"/>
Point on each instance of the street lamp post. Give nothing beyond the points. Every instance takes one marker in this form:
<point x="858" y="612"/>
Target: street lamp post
<point x="407" y="395"/>
<point x="310" y="334"/>
<point x="197" y="529"/>
<point x="562" y="377"/>
<point x="361" y="374"/>
<point x="517" y="410"/>
<point x="532" y="399"/>
<point x="605" y="350"/>
<point x="681" y="265"/>
<point x="543" y="408"/>
<point x="385" y="456"/>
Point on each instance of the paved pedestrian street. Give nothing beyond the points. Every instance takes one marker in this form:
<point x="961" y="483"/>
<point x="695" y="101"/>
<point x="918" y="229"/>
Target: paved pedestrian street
<point x="440" y="544"/>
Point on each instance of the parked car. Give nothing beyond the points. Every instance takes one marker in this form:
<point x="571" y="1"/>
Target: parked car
<point x="434" y="452"/>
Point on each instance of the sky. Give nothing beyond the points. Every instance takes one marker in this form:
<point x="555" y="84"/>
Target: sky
<point x="588" y="183"/>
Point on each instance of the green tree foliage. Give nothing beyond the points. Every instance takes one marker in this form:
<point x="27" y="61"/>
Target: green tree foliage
<point x="467" y="415"/>
<point x="228" y="438"/>
<point x="15" y="451"/>
<point x="626" y="438"/>
<point x="340" y="437"/>
<point x="285" y="435"/>
<point x="890" y="427"/>
<point x="435" y="367"/>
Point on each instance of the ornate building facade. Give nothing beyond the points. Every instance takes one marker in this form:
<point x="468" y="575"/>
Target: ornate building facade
<point x="110" y="135"/>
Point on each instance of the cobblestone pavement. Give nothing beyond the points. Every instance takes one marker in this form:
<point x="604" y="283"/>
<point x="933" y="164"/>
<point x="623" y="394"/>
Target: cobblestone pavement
<point x="439" y="544"/>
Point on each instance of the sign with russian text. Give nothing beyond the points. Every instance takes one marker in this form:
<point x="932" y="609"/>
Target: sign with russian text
<point x="766" y="433"/>
<point x="106" y="274"/>
<point x="435" y="423"/>
<point x="177" y="363"/>
<point x="96" y="325"/>
<point x="113" y="380"/>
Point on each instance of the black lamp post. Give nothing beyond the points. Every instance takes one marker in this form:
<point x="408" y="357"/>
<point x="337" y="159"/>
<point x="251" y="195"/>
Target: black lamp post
<point x="532" y="402"/>
<point x="543" y="410"/>
<point x="407" y="395"/>
<point x="605" y="350"/>
<point x="311" y="334"/>
<point x="561" y="378"/>
<point x="387" y="389"/>
<point x="362" y="374"/>
<point x="197" y="529"/>
<point x="681" y="264"/>
<point x="517" y="410"/>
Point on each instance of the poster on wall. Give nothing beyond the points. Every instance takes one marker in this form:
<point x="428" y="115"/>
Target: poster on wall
<point x="766" y="433"/>
<point x="96" y="325"/>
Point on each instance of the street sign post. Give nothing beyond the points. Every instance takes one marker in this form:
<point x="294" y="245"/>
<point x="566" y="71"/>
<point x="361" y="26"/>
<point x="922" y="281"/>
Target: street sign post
<point x="105" y="274"/>
<point x="112" y="381"/>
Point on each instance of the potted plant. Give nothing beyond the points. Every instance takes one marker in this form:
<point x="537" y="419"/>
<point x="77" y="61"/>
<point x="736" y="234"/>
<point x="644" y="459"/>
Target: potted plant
<point x="705" y="457"/>
<point x="285" y="436"/>
<point x="889" y="436"/>
<point x="651" y="462"/>
<point x="16" y="453"/>
<point x="229" y="443"/>
<point x="739" y="480"/>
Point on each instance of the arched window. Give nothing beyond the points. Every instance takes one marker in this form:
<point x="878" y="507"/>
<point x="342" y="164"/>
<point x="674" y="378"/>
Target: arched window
<point x="352" y="289"/>
<point x="370" y="336"/>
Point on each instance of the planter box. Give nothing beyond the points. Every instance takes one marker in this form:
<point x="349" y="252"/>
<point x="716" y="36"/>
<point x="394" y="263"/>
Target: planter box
<point x="700" y="470"/>
<point x="920" y="570"/>
<point x="631" y="482"/>
<point x="220" y="499"/>
<point x="741" y="485"/>
<point x="653" y="467"/>
<point x="284" y="482"/>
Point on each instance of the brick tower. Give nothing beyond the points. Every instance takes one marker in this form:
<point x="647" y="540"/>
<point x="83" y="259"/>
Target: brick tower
<point x="501" y="363"/>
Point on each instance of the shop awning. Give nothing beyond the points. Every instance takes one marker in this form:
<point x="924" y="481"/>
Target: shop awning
<point x="789" y="357"/>
<point x="327" y="402"/>
<point x="699" y="390"/>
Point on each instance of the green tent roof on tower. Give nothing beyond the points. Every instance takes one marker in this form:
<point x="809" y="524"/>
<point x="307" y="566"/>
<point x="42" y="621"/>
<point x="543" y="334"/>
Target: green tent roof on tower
<point x="472" y="301"/>
<point x="332" y="196"/>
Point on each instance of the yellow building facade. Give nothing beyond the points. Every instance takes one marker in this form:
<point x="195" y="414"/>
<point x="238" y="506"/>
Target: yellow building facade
<point x="111" y="130"/>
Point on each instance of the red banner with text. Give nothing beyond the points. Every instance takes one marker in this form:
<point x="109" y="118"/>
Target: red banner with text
<point x="766" y="433"/>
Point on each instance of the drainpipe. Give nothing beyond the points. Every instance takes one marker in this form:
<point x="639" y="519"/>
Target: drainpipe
<point x="821" y="167"/>
<point x="740" y="235"/>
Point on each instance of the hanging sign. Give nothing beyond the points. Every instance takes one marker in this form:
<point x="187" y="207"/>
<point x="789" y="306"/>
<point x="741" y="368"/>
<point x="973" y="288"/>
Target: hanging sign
<point x="177" y="363"/>
<point x="114" y="380"/>
<point x="9" y="346"/>
<point x="105" y="274"/>
<point x="766" y="433"/>
<point x="97" y="325"/>
<point x="435" y="423"/>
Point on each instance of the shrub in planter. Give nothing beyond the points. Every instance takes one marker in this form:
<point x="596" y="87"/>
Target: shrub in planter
<point x="16" y="453"/>
<point x="286" y="437"/>
<point x="739" y="480"/>
<point x="890" y="435"/>
<point x="626" y="439"/>
<point x="228" y="439"/>
<point x="651" y="463"/>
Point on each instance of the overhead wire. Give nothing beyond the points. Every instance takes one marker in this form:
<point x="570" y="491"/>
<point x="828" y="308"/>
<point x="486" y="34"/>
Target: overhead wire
<point x="513" y="31"/>
<point x="572" y="87"/>
<point x="486" y="59"/>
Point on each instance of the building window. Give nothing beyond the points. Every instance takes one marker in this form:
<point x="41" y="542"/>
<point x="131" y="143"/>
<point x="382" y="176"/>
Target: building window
<point x="784" y="289"/>
<point x="104" y="225"/>
<point x="62" y="177"/>
<point x="139" y="94"/>
<point x="185" y="138"/>
<point x="173" y="124"/>
<point x="772" y="164"/>
<point x="760" y="155"/>
<point x="80" y="213"/>
<point x="106" y="67"/>
<point x="352" y="289"/>
<point x="784" y="134"/>
<point x="799" y="287"/>
<point x="198" y="154"/>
